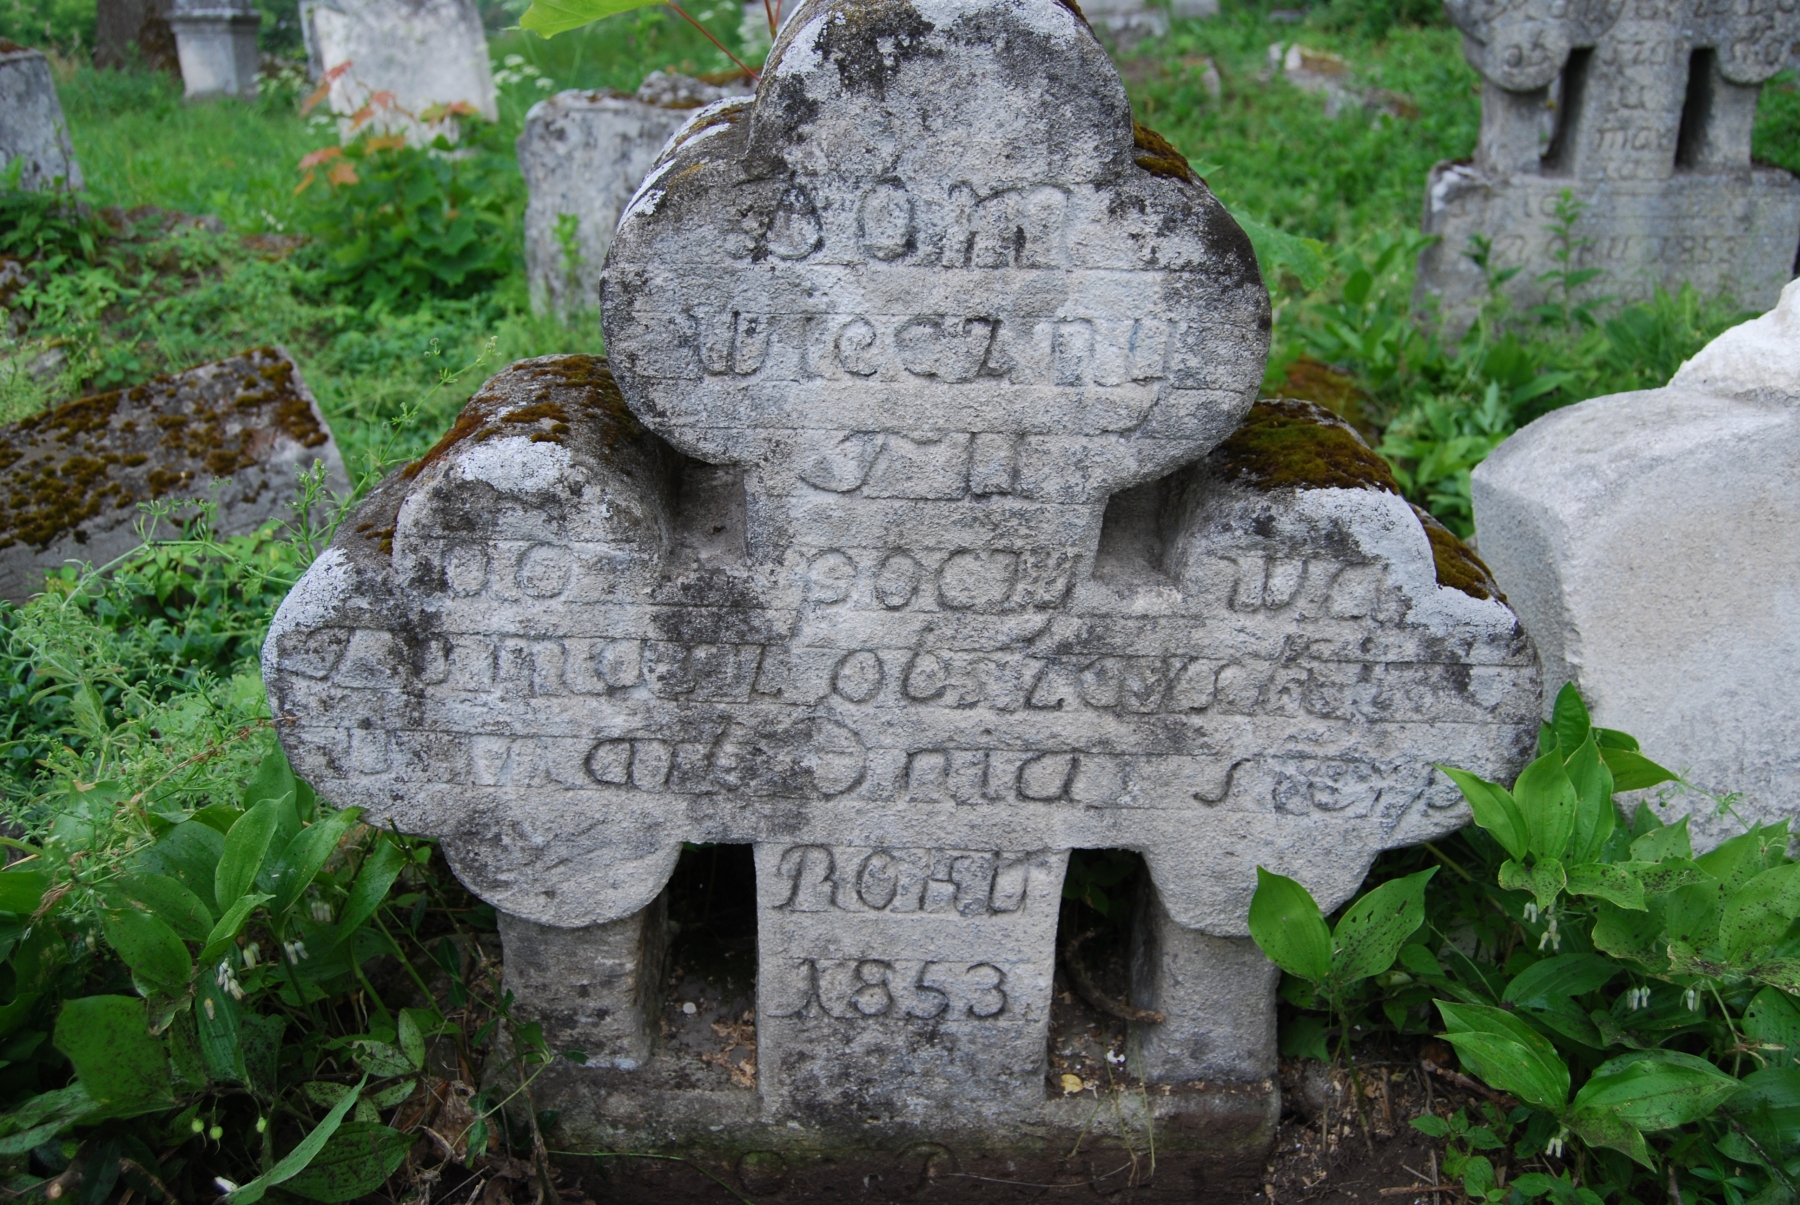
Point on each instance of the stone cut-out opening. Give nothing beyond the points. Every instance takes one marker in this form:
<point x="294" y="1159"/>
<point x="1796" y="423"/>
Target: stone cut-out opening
<point x="709" y="1002"/>
<point x="1696" y="110"/>
<point x="1092" y="1009"/>
<point x="1559" y="156"/>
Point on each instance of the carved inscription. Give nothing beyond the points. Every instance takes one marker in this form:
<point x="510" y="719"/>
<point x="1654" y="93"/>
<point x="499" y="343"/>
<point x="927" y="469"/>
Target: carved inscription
<point x="905" y="989"/>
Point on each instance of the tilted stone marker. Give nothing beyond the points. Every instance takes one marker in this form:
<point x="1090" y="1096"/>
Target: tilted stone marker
<point x="897" y="552"/>
<point x="424" y="55"/>
<point x="216" y="43"/>
<point x="32" y="127"/>
<point x="1648" y="542"/>
<point x="1641" y="110"/>
<point x="72" y="478"/>
<point x="583" y="154"/>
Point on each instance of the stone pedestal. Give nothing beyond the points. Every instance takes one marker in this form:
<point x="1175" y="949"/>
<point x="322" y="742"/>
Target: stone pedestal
<point x="1642" y="116"/>
<point x="1648" y="542"/>
<point x="412" y="59"/>
<point x="32" y="127"/>
<point x="218" y="51"/>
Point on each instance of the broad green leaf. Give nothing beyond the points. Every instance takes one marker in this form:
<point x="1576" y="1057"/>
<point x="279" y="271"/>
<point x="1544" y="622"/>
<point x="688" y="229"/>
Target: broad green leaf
<point x="1612" y="738"/>
<point x="1595" y="816"/>
<point x="1663" y="841"/>
<point x="1419" y="960"/>
<point x="1546" y="799"/>
<point x="296" y="1160"/>
<point x="157" y="958"/>
<point x="1655" y="1089"/>
<point x="1772" y="1021"/>
<point x="1546" y="739"/>
<point x="1569" y="718"/>
<point x="1783" y="973"/>
<point x="1691" y="914"/>
<point x="1601" y="1128"/>
<point x="357" y="1160"/>
<point x="1507" y="1053"/>
<point x="1303" y="1037"/>
<point x="1278" y="252"/>
<point x="412" y="1041"/>
<point x="1772" y="1096"/>
<point x="1613" y="883"/>
<point x="124" y="1069"/>
<point x="1632" y="771"/>
<point x="1545" y="879"/>
<point x="547" y="18"/>
<point x="1370" y="935"/>
<point x="168" y="900"/>
<point x="188" y="853"/>
<point x="381" y="1059"/>
<point x="216" y="1017"/>
<point x="218" y="817"/>
<point x="39" y="1119"/>
<point x="260" y="1039"/>
<point x="379" y="870"/>
<point x="1495" y="810"/>
<point x="245" y="846"/>
<point x="224" y="934"/>
<point x="306" y="854"/>
<point x="1288" y="927"/>
<point x="1761" y="911"/>
<point x="1670" y="874"/>
<point x="1737" y="861"/>
<point x="21" y="891"/>
<point x="1560" y="977"/>
<point x="273" y="779"/>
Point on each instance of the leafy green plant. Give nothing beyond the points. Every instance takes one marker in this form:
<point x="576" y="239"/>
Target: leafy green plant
<point x="1636" y="1000"/>
<point x="1566" y="277"/>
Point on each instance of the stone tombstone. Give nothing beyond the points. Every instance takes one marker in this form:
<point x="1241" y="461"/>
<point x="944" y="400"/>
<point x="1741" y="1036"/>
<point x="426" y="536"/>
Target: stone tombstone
<point x="1132" y="20"/>
<point x="71" y="478"/>
<point x="1641" y="110"/>
<point x="216" y="43"/>
<point x="32" y="127"/>
<point x="134" y="31"/>
<point x="408" y="59"/>
<point x="919" y="531"/>
<point x="1648" y="542"/>
<point x="583" y="154"/>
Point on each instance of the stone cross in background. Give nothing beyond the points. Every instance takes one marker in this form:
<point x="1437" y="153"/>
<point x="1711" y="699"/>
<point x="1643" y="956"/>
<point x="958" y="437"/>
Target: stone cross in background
<point x="931" y="536"/>
<point x="1641" y="110"/>
<point x="1648" y="542"/>
<point x="32" y="127"/>
<point x="407" y="57"/>
<point x="582" y="155"/>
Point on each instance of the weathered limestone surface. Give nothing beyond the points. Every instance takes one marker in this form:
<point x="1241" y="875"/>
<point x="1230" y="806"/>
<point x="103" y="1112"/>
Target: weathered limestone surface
<point x="583" y="155"/>
<point x="425" y="54"/>
<point x="31" y="121"/>
<point x="910" y="548"/>
<point x="216" y="44"/>
<point x="71" y="478"/>
<point x="1647" y="541"/>
<point x="1642" y="110"/>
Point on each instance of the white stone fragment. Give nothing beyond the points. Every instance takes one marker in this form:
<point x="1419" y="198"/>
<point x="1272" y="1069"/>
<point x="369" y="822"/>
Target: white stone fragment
<point x="1647" y="541"/>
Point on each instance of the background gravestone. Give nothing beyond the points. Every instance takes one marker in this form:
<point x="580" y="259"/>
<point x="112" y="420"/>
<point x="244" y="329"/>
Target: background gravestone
<point x="1642" y="112"/>
<point x="583" y="155"/>
<point x="71" y="478"/>
<point x="134" y="31"/>
<point x="926" y="533"/>
<point x="216" y="43"/>
<point x="32" y="127"/>
<point x="1648" y="542"/>
<point x="424" y="53"/>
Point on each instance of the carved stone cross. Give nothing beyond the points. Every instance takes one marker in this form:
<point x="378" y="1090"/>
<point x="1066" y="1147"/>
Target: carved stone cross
<point x="898" y="552"/>
<point x="1641" y="111"/>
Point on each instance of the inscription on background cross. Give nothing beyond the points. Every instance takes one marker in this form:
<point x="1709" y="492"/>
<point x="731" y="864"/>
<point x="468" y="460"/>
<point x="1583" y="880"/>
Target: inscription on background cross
<point x="901" y="557"/>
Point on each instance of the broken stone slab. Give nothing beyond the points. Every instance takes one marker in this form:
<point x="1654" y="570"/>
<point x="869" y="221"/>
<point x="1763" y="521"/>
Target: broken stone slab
<point x="32" y="127"/>
<point x="72" y="478"/>
<point x="1647" y="541"/>
<point x="216" y="44"/>
<point x="583" y="155"/>
<point x="414" y="61"/>
<point x="1642" y="114"/>
<point x="920" y="531"/>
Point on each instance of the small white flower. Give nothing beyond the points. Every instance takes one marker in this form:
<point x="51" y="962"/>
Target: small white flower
<point x="1691" y="998"/>
<point x="209" y="1008"/>
<point x="1554" y="1148"/>
<point x="513" y="60"/>
<point x="546" y="84"/>
<point x="224" y="1184"/>
<point x="1531" y="914"/>
<point x="321" y="911"/>
<point x="252" y="953"/>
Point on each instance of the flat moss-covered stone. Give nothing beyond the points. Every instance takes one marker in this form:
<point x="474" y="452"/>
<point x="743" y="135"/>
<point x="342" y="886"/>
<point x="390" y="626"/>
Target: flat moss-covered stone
<point x="72" y="477"/>
<point x="1284" y="443"/>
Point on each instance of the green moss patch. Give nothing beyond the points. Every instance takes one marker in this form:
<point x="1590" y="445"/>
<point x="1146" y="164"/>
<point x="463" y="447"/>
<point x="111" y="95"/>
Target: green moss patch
<point x="1457" y="565"/>
<point x="1158" y="156"/>
<point x="1288" y="444"/>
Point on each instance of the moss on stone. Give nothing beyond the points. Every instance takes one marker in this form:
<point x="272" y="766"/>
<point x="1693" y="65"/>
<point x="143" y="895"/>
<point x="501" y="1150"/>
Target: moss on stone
<point x="1156" y="155"/>
<point x="1284" y="443"/>
<point x="1457" y="565"/>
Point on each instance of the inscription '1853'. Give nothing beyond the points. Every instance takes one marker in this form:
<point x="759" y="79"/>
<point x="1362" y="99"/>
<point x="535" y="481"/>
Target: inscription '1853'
<point x="857" y="989"/>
